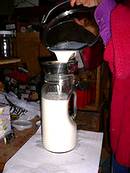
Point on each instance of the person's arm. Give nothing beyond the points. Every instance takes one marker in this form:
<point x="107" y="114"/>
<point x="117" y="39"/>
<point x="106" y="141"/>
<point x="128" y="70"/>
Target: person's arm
<point x="102" y="15"/>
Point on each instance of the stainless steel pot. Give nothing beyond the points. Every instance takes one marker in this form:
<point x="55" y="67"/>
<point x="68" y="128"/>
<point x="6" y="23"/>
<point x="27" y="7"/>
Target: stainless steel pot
<point x="60" y="31"/>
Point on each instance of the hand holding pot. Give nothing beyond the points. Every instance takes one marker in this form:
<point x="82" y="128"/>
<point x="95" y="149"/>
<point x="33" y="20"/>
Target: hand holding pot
<point x="62" y="23"/>
<point x="87" y="3"/>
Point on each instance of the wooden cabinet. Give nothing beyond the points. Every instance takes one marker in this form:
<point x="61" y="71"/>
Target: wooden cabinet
<point x="92" y="79"/>
<point x="29" y="48"/>
<point x="91" y="116"/>
<point x="88" y="120"/>
<point x="97" y="87"/>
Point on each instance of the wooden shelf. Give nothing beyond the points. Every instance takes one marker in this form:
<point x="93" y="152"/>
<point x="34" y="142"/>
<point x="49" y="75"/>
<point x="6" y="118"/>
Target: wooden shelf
<point x="9" y="60"/>
<point x="92" y="108"/>
<point x="88" y="120"/>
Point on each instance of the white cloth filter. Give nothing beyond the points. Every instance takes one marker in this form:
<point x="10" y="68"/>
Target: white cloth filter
<point x="64" y="56"/>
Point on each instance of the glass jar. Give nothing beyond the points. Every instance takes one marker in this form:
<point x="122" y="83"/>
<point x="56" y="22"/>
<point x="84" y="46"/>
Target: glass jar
<point x="6" y="44"/>
<point x="59" y="129"/>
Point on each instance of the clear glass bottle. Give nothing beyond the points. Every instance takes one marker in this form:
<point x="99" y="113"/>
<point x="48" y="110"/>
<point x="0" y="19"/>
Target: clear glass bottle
<point x="59" y="130"/>
<point x="6" y="44"/>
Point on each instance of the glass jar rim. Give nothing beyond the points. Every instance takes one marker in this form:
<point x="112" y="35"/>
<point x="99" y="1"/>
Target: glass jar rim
<point x="58" y="77"/>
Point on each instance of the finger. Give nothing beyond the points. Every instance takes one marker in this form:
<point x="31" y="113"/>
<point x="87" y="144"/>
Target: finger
<point x="93" y="3"/>
<point x="87" y="3"/>
<point x="72" y="2"/>
<point x="83" y="2"/>
<point x="76" y="2"/>
<point x="79" y="22"/>
<point x="79" y="3"/>
<point x="90" y="3"/>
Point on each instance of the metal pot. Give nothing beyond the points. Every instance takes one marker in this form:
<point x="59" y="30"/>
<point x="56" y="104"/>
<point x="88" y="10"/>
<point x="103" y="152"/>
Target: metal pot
<point x="60" y="31"/>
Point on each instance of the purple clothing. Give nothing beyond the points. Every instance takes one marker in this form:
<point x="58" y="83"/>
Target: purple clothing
<point x="102" y="17"/>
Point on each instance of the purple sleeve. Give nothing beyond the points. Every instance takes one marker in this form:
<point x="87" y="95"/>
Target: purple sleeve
<point x="102" y="17"/>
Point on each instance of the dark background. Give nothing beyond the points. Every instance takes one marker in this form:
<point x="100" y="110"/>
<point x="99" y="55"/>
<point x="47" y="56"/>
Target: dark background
<point x="6" y="7"/>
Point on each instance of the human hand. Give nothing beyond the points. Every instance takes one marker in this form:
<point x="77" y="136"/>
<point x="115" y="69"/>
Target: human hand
<point x="87" y="3"/>
<point x="88" y="25"/>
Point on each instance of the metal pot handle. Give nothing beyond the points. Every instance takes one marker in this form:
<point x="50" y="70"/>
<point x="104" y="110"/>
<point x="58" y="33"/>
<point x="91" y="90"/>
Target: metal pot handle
<point x="45" y="17"/>
<point x="66" y="13"/>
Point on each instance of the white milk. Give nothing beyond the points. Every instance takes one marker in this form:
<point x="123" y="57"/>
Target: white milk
<point x="58" y="129"/>
<point x="64" y="56"/>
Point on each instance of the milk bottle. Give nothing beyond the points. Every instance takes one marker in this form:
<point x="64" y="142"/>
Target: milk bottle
<point x="59" y="130"/>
